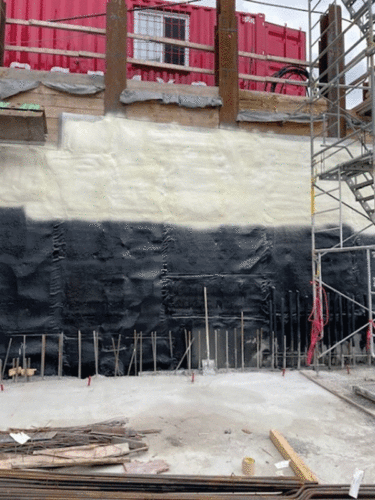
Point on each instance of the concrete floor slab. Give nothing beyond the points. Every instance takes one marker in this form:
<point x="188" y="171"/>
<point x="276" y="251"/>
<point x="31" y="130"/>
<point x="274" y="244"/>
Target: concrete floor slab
<point x="202" y="422"/>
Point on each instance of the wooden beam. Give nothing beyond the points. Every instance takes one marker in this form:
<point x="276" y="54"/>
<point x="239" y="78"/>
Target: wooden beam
<point x="60" y="26"/>
<point x="115" y="77"/>
<point x="55" y="52"/>
<point x="296" y="463"/>
<point x="226" y="61"/>
<point x="173" y="67"/>
<point x="272" y="79"/>
<point x="2" y="30"/>
<point x="332" y="63"/>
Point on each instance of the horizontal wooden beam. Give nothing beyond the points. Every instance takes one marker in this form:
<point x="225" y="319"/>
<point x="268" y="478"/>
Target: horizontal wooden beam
<point x="286" y="60"/>
<point x="172" y="41"/>
<point x="296" y="463"/>
<point x="56" y="52"/>
<point x="173" y="67"/>
<point x="60" y="26"/>
<point x="271" y="79"/>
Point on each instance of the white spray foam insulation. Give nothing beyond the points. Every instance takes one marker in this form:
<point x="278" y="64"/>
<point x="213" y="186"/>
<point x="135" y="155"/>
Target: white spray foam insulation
<point x="123" y="170"/>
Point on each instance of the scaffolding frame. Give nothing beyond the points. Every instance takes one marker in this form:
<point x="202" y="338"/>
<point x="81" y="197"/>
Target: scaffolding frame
<point x="342" y="143"/>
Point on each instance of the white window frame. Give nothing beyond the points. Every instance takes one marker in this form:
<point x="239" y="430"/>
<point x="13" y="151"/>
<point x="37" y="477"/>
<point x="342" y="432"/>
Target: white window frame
<point x="142" y="48"/>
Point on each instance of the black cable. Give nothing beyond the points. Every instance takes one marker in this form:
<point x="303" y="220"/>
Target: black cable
<point x="88" y="16"/>
<point x="287" y="70"/>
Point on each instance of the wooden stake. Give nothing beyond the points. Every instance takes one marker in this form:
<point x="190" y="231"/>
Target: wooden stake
<point x="135" y="353"/>
<point x="206" y="320"/>
<point x="24" y="353"/>
<point x="170" y="343"/>
<point x="235" y="349"/>
<point x="189" y="356"/>
<point x="299" y="354"/>
<point x="183" y="357"/>
<point x="96" y="351"/>
<point x="226" y="350"/>
<point x="258" y="360"/>
<point x="155" y="351"/>
<point x="131" y="360"/>
<point x="6" y="357"/>
<point x="60" y="356"/>
<point x="115" y="356"/>
<point x="216" y="365"/>
<point x="79" y="354"/>
<point x="199" y="351"/>
<point x="242" y="343"/>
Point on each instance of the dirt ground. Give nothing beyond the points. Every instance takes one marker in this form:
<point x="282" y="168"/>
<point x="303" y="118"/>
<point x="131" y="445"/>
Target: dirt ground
<point x="202" y="422"/>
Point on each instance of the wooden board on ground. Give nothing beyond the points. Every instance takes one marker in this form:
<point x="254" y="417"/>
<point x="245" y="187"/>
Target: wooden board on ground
<point x="366" y="393"/>
<point x="152" y="467"/>
<point x="296" y="463"/>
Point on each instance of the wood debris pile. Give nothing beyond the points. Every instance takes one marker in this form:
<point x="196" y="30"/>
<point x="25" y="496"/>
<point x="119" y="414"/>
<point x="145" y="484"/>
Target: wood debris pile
<point x="103" y="443"/>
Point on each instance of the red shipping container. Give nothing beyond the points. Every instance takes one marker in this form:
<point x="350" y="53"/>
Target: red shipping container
<point x="154" y="17"/>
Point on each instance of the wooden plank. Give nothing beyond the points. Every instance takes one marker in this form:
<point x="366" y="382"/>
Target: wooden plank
<point x="286" y="60"/>
<point x="151" y="467"/>
<point x="86" y="451"/>
<point x="364" y="392"/>
<point x="296" y="462"/>
<point x="53" y="25"/>
<point x="116" y="56"/>
<point x="271" y="79"/>
<point x="55" y="52"/>
<point x="174" y="67"/>
<point x="169" y="113"/>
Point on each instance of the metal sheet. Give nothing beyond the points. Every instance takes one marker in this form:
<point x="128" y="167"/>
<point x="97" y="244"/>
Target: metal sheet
<point x="255" y="35"/>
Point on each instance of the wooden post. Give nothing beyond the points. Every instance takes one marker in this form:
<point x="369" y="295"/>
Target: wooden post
<point x="135" y="353"/>
<point x="170" y="343"/>
<point x="2" y="30"/>
<point x="17" y="366"/>
<point x="24" y="353"/>
<point x="79" y="354"/>
<point x="60" y="358"/>
<point x="115" y="355"/>
<point x="116" y="48"/>
<point x="333" y="63"/>
<point x="199" y="351"/>
<point x="6" y="357"/>
<point x="242" y="342"/>
<point x="96" y="354"/>
<point x="118" y="353"/>
<point x="189" y="356"/>
<point x="235" y="349"/>
<point x="206" y="321"/>
<point x="27" y="369"/>
<point x="226" y="61"/>
<point x="226" y="350"/>
<point x="216" y="365"/>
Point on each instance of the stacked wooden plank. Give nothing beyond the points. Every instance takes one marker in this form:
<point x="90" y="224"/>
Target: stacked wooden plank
<point x="103" y="443"/>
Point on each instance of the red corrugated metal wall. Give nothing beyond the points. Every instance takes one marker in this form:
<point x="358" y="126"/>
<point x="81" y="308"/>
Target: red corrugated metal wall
<point x="255" y="35"/>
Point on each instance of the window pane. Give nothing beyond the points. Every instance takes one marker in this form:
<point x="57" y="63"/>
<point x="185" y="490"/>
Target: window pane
<point x="174" y="27"/>
<point x="152" y="25"/>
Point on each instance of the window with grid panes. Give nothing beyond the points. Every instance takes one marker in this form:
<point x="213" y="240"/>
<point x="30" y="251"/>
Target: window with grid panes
<point x="160" y="24"/>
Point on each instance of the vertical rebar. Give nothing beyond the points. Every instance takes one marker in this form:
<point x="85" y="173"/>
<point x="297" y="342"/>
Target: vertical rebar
<point x="79" y="354"/>
<point x="257" y="341"/>
<point x="242" y="343"/>
<point x="206" y="320"/>
<point x="235" y="349"/>
<point x="226" y="350"/>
